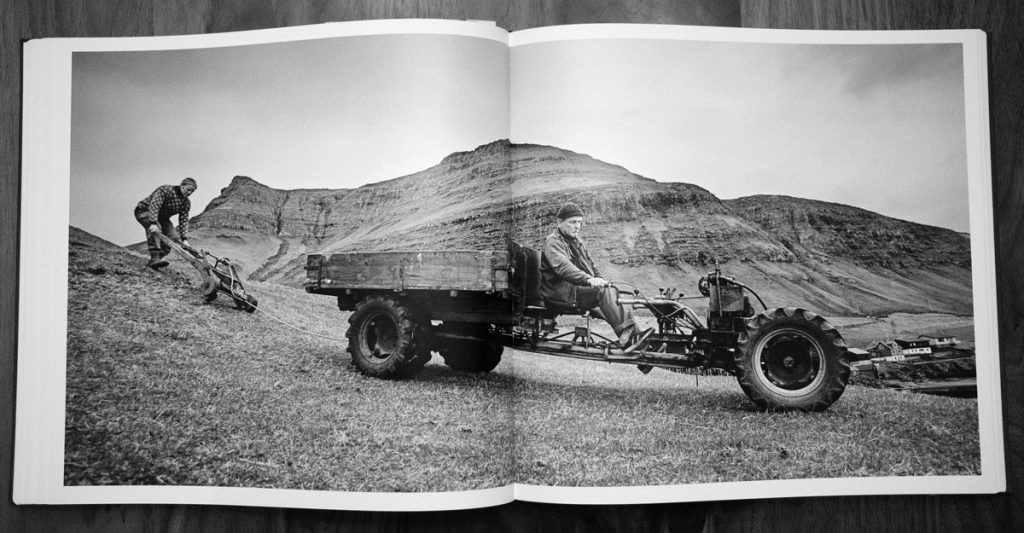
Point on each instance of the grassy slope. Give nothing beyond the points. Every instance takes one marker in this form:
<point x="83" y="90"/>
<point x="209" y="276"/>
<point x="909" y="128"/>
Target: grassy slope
<point x="165" y="389"/>
<point x="608" y="425"/>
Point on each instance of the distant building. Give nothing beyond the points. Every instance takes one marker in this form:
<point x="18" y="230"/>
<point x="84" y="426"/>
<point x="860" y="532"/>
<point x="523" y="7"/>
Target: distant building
<point x="880" y="350"/>
<point x="909" y="348"/>
<point x="941" y="342"/>
<point x="898" y="350"/>
<point x="857" y="354"/>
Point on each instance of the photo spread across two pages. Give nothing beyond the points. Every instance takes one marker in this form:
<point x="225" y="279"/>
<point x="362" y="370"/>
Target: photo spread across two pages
<point x="428" y="265"/>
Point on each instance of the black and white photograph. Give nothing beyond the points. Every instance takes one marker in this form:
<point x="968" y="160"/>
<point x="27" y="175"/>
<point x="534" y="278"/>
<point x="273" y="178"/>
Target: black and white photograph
<point x="830" y="182"/>
<point x="417" y="265"/>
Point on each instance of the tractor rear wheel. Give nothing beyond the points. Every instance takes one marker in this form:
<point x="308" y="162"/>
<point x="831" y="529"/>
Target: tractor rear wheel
<point x="791" y="359"/>
<point x="380" y="339"/>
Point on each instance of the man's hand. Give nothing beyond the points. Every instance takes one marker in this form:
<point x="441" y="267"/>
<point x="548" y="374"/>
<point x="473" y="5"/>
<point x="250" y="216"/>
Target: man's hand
<point x="597" y="282"/>
<point x="153" y="228"/>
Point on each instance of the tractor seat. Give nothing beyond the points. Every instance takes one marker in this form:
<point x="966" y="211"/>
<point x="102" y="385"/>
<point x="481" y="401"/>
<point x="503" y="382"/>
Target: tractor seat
<point x="535" y="304"/>
<point x="539" y="312"/>
<point x="551" y="311"/>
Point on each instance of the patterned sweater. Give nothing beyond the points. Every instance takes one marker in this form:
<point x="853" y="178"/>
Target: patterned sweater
<point x="165" y="202"/>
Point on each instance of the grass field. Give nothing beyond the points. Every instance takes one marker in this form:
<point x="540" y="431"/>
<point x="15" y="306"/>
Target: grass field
<point x="594" y="424"/>
<point x="163" y="388"/>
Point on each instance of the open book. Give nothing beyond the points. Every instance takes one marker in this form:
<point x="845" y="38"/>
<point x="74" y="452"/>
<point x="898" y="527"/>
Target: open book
<point x="803" y="218"/>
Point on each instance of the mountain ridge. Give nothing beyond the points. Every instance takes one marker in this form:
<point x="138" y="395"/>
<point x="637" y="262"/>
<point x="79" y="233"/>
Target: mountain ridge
<point x="829" y="256"/>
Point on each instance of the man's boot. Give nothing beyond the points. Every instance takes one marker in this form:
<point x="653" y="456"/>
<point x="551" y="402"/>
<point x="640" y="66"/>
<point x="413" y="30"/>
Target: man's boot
<point x="156" y="261"/>
<point x="626" y="336"/>
<point x="630" y="339"/>
<point x="639" y="340"/>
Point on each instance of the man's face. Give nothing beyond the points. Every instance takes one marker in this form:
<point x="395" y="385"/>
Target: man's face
<point x="187" y="189"/>
<point x="571" y="226"/>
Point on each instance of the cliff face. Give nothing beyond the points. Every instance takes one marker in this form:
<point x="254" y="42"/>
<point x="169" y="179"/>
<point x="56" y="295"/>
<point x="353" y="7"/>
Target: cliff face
<point x="821" y="230"/>
<point x="247" y="205"/>
<point x="830" y="257"/>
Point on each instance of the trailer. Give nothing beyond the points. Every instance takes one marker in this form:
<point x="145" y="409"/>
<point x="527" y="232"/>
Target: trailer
<point x="468" y="306"/>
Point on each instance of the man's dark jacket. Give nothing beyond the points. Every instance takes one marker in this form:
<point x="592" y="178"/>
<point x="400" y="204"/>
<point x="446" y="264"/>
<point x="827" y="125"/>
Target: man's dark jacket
<point x="565" y="264"/>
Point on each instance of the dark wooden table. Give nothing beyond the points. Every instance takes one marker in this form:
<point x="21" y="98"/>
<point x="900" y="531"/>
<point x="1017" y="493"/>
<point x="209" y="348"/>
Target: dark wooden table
<point x="1002" y="20"/>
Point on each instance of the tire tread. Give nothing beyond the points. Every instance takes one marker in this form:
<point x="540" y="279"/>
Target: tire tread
<point x="405" y="361"/>
<point x="836" y="358"/>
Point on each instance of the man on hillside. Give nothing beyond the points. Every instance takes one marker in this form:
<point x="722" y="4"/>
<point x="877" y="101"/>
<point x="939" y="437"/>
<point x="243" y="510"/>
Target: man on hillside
<point x="569" y="279"/>
<point x="154" y="213"/>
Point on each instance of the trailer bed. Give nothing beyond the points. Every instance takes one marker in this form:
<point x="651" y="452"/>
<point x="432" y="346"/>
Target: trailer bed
<point x="478" y="271"/>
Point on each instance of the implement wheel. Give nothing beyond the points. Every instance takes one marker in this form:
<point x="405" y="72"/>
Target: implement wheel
<point x="380" y="339"/>
<point x="247" y="303"/>
<point x="791" y="359"/>
<point x="210" y="288"/>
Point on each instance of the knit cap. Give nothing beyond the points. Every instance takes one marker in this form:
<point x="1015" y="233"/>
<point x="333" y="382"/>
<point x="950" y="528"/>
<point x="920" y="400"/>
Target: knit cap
<point x="569" y="210"/>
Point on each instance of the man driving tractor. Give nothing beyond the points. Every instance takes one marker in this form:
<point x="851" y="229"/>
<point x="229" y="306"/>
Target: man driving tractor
<point x="570" y="280"/>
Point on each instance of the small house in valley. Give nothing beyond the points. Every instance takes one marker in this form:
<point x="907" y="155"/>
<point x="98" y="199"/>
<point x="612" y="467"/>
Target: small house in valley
<point x="940" y="342"/>
<point x="899" y="350"/>
<point x="911" y="348"/>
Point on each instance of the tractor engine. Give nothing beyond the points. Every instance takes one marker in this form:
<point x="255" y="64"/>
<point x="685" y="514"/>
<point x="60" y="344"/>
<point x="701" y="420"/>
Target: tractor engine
<point x="728" y="305"/>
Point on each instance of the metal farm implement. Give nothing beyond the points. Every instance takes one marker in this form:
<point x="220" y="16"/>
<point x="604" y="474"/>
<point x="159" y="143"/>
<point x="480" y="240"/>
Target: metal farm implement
<point x="218" y="274"/>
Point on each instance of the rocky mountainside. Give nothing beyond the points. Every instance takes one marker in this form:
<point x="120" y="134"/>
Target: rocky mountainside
<point x="834" y="258"/>
<point x="814" y="230"/>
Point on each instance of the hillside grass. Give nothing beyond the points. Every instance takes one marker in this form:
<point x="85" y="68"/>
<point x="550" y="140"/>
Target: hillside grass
<point x="597" y="424"/>
<point x="165" y="389"/>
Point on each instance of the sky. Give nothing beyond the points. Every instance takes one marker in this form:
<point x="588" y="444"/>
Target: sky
<point x="329" y="113"/>
<point x="875" y="126"/>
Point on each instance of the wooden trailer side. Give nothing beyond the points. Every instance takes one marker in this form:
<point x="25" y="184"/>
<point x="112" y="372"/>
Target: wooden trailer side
<point x="485" y="271"/>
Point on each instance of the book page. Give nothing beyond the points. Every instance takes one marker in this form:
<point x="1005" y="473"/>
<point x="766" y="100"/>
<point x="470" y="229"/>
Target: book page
<point x="136" y="383"/>
<point x="842" y="180"/>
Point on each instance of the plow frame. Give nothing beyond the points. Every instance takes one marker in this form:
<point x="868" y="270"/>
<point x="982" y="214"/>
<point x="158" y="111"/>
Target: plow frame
<point x="219" y="275"/>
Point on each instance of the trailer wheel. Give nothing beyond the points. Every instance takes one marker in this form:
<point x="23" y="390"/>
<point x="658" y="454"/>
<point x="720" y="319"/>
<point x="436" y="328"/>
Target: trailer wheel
<point x="380" y="339"/>
<point x="472" y="356"/>
<point x="791" y="359"/>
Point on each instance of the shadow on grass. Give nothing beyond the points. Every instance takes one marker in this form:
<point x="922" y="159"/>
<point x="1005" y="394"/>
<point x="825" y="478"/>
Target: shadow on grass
<point x="706" y="393"/>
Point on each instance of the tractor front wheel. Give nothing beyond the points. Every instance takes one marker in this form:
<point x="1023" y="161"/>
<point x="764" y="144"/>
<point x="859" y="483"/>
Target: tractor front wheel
<point x="380" y="339"/>
<point x="791" y="359"/>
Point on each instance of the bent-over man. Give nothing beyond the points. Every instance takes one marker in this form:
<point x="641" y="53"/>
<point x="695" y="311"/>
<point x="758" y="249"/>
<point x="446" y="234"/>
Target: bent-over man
<point x="154" y="213"/>
<point x="569" y="279"/>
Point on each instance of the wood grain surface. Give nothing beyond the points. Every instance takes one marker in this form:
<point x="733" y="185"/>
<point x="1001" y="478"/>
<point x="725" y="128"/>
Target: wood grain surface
<point x="1003" y="22"/>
